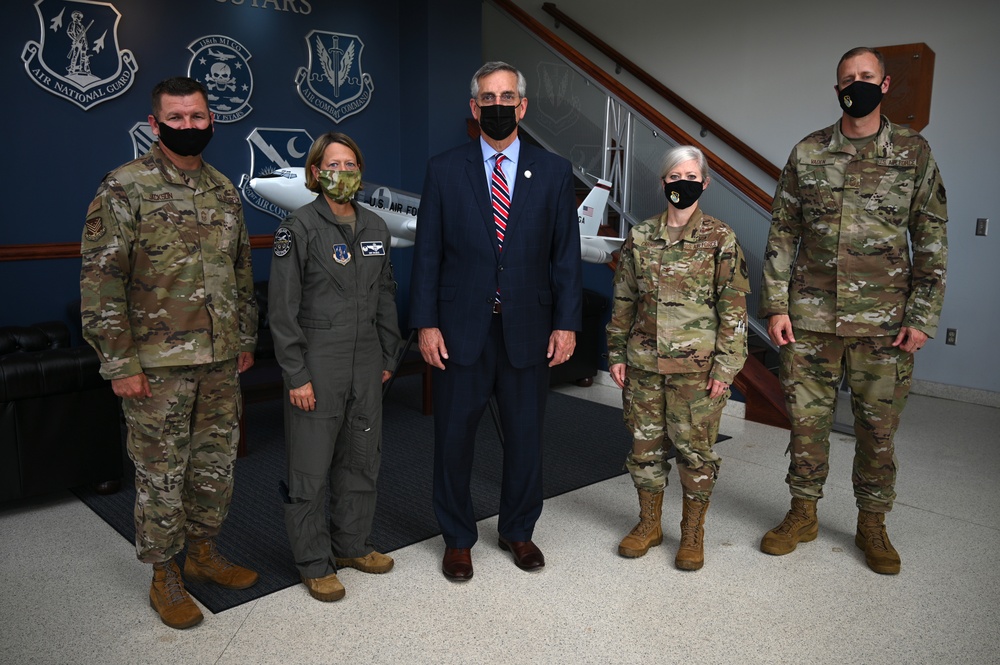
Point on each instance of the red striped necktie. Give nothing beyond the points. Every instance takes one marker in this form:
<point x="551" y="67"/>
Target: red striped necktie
<point x="500" y="194"/>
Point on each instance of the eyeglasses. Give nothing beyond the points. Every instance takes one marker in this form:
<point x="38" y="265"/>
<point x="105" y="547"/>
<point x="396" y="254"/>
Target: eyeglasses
<point x="506" y="98"/>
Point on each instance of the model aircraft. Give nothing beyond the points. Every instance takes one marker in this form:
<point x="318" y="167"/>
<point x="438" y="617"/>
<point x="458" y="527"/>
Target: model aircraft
<point x="286" y="189"/>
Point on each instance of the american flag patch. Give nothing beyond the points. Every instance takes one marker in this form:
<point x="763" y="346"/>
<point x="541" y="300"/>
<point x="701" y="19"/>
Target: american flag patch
<point x="588" y="211"/>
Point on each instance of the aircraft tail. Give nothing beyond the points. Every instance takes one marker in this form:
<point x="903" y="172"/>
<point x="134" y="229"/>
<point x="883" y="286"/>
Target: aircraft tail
<point x="591" y="211"/>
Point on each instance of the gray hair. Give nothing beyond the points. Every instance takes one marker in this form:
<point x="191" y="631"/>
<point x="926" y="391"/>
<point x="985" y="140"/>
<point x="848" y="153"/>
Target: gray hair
<point x="681" y="154"/>
<point x="497" y="66"/>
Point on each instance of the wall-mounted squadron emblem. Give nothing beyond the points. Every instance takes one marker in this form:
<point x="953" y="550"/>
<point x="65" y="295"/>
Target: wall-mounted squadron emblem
<point x="272" y="150"/>
<point x="142" y="138"/>
<point x="556" y="106"/>
<point x="77" y="55"/>
<point x="222" y="65"/>
<point x="333" y="83"/>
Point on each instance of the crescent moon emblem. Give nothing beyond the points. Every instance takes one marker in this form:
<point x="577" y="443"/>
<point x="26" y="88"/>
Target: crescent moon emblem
<point x="291" y="148"/>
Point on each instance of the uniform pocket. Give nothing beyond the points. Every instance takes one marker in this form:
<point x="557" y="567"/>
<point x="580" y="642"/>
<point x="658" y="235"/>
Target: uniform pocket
<point x="364" y="443"/>
<point x="705" y="414"/>
<point x="321" y="324"/>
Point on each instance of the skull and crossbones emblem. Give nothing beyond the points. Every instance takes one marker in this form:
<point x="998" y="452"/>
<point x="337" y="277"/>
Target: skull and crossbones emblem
<point x="220" y="77"/>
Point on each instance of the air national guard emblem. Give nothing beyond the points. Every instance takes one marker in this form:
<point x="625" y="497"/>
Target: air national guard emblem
<point x="556" y="107"/>
<point x="222" y="65"/>
<point x="341" y="254"/>
<point x="77" y="56"/>
<point x="273" y="149"/>
<point x="282" y="241"/>
<point x="333" y="83"/>
<point x="848" y="102"/>
<point x="675" y="198"/>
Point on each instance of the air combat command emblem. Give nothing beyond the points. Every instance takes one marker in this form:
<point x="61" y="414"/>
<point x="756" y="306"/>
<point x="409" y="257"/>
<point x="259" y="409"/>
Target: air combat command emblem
<point x="333" y="82"/>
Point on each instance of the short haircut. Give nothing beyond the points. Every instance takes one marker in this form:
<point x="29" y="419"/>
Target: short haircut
<point x="497" y="66"/>
<point x="861" y="50"/>
<point x="681" y="154"/>
<point x="178" y="86"/>
<point x="319" y="147"/>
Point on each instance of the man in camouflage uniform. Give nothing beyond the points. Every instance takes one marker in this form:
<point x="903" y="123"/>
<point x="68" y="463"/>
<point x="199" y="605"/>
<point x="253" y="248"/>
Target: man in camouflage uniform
<point x="676" y="341"/>
<point x="167" y="302"/>
<point x="840" y="288"/>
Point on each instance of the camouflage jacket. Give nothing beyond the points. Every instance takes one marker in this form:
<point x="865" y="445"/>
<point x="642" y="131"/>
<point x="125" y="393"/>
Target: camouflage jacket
<point x="680" y="307"/>
<point x="838" y="258"/>
<point x="166" y="277"/>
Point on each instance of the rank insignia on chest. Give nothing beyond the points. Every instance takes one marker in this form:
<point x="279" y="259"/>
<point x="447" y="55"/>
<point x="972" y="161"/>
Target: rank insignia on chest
<point x="341" y="254"/>
<point x="372" y="248"/>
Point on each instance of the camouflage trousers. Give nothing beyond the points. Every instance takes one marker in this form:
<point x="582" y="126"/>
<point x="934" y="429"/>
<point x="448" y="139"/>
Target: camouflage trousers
<point x="812" y="369"/>
<point x="665" y="409"/>
<point x="183" y="443"/>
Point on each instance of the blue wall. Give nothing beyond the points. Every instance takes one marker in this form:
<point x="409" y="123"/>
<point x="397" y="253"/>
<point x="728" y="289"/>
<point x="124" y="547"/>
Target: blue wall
<point x="420" y="55"/>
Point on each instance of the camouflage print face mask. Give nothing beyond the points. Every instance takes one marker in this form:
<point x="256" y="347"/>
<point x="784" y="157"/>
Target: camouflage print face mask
<point x="341" y="186"/>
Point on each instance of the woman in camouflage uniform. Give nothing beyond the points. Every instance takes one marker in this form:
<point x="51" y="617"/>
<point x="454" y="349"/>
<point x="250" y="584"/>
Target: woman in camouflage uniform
<point x="676" y="340"/>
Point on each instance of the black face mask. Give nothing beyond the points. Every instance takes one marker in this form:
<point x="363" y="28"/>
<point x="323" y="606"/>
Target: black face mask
<point x="498" y="121"/>
<point x="682" y="193"/>
<point x="185" y="142"/>
<point x="860" y="98"/>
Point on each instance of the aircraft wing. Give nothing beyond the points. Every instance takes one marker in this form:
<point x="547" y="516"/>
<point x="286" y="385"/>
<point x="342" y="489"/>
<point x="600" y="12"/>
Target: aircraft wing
<point x="599" y="249"/>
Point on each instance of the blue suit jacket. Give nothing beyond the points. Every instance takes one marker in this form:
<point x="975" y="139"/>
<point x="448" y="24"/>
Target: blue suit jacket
<point x="457" y="266"/>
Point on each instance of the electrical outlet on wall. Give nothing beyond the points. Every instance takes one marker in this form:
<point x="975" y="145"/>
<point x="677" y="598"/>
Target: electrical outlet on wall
<point x="950" y="336"/>
<point x="982" y="225"/>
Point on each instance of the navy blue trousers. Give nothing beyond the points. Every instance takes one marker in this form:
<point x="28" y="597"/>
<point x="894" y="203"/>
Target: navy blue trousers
<point x="461" y="395"/>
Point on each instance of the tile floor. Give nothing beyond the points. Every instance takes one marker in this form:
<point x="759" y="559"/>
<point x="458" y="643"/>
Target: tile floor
<point x="71" y="590"/>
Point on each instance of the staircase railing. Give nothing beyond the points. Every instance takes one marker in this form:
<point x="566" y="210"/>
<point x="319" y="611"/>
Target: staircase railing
<point x="607" y="131"/>
<point x="707" y="124"/>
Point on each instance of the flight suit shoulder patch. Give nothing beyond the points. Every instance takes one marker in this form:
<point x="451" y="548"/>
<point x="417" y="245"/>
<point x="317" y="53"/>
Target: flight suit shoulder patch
<point x="282" y="241"/>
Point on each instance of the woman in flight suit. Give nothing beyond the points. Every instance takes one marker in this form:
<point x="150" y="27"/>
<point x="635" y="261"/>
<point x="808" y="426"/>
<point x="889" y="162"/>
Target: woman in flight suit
<point x="333" y="317"/>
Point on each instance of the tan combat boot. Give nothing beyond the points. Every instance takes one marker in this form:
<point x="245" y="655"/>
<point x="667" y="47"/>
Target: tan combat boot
<point x="373" y="562"/>
<point x="204" y="563"/>
<point x="799" y="526"/>
<point x="327" y="588"/>
<point x="871" y="537"/>
<point x="647" y="533"/>
<point x="691" y="553"/>
<point x="170" y="600"/>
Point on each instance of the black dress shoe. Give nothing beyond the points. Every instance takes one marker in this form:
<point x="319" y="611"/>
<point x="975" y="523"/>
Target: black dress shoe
<point x="527" y="556"/>
<point x="457" y="564"/>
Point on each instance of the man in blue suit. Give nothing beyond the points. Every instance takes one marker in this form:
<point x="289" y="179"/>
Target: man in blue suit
<point x="496" y="294"/>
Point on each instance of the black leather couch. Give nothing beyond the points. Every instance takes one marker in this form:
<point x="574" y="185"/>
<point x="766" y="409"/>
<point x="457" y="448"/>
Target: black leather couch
<point x="60" y="423"/>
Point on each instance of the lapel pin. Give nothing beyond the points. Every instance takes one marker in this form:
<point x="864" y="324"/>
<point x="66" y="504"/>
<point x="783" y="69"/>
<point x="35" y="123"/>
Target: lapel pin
<point x="527" y="174"/>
